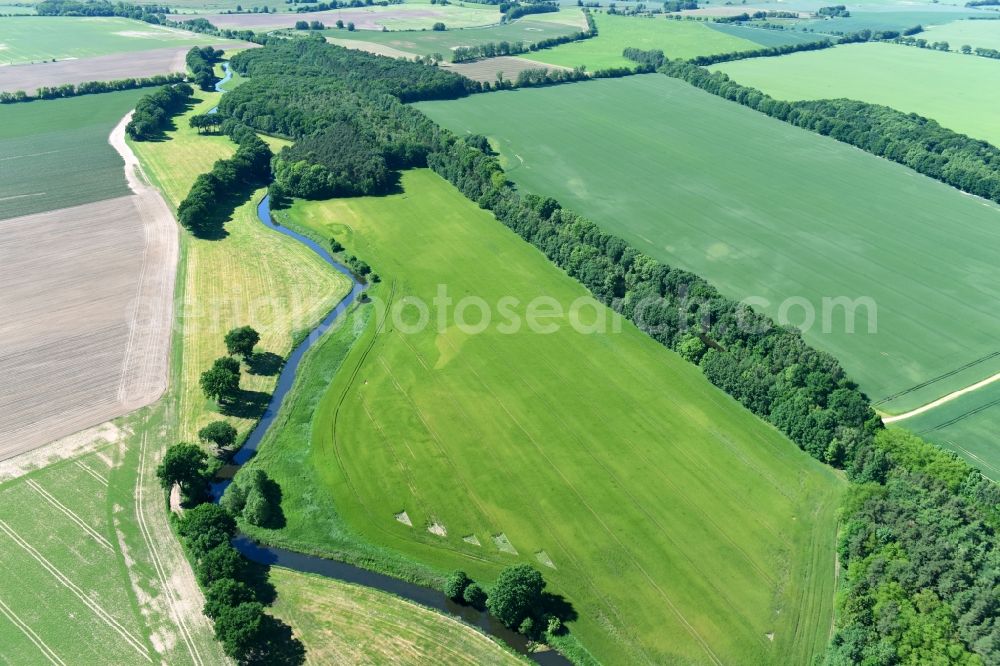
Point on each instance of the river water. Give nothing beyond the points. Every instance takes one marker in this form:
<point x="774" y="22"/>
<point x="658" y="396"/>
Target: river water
<point x="349" y="573"/>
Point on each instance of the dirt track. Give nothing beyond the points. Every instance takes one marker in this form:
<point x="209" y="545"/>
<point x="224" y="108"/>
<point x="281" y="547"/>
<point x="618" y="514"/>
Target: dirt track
<point x="101" y="68"/>
<point x="87" y="303"/>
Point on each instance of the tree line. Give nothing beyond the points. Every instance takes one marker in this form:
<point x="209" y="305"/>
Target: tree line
<point x="201" y="61"/>
<point x="153" y="111"/>
<point x="90" y="88"/>
<point x="920" y="143"/>
<point x="503" y="48"/>
<point x="514" y="10"/>
<point x="208" y="203"/>
<point x="903" y="599"/>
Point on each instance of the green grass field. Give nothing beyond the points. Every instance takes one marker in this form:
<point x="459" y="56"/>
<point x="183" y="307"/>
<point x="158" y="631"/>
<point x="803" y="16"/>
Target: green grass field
<point x="764" y="37"/>
<point x="39" y="38"/>
<point x="426" y="42"/>
<point x="766" y="210"/>
<point x="253" y="276"/>
<point x="56" y="152"/>
<point x="349" y="624"/>
<point x="681" y="528"/>
<point x="985" y="34"/>
<point x="678" y="39"/>
<point x="958" y="91"/>
<point x="889" y="17"/>
<point x="968" y="426"/>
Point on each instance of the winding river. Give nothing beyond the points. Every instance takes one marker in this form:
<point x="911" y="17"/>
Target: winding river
<point x="349" y="573"/>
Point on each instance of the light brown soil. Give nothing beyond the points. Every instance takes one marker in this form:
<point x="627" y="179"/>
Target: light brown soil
<point x="100" y="68"/>
<point x="87" y="303"/>
<point x="486" y="70"/>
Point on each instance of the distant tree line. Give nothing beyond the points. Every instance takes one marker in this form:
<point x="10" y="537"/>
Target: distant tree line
<point x="206" y="205"/>
<point x="90" y="88"/>
<point x="744" y="17"/>
<point x="669" y="5"/>
<point x="766" y="52"/>
<point x="514" y="10"/>
<point x="504" y="48"/>
<point x="153" y="111"/>
<point x="201" y="62"/>
<point x="834" y="11"/>
<point x="982" y="3"/>
<point x="148" y="13"/>
<point x="920" y="143"/>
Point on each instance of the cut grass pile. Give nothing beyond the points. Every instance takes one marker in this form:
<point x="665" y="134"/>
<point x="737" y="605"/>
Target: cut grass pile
<point x="766" y="210"/>
<point x="959" y="91"/>
<point x="426" y="42"/>
<point x="253" y="276"/>
<point x="38" y="38"/>
<point x="677" y="39"/>
<point x="679" y="526"/>
<point x="341" y="623"/>
<point x="968" y="426"/>
<point x="55" y="153"/>
<point x="975" y="33"/>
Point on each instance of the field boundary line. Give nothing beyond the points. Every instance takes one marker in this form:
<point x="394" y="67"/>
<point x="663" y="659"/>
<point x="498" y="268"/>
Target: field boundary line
<point x="101" y="539"/>
<point x="30" y="634"/>
<point x="154" y="556"/>
<point x="76" y="590"/>
<point x="940" y="401"/>
<point x="100" y="479"/>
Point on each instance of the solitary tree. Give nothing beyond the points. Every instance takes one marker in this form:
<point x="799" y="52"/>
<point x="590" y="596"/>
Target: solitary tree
<point x="516" y="594"/>
<point x="439" y="27"/>
<point x="221" y="382"/>
<point x="475" y="596"/>
<point x="186" y="465"/>
<point x="219" y="433"/>
<point x="241" y="341"/>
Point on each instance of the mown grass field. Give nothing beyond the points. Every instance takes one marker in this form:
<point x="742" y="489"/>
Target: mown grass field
<point x="679" y="526"/>
<point x="985" y="34"/>
<point x="958" y="91"/>
<point x="677" y="39"/>
<point x="426" y="42"/>
<point x="968" y="426"/>
<point x="39" y="38"/>
<point x="56" y="152"/>
<point x="766" y="210"/>
<point x="253" y="276"/>
<point x="349" y="624"/>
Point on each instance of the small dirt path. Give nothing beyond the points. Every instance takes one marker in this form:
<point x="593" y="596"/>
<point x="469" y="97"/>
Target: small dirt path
<point x="940" y="401"/>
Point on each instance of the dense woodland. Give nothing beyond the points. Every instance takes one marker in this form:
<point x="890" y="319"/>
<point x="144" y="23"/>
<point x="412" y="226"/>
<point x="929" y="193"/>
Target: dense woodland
<point x="201" y="62"/>
<point x="154" y="111"/>
<point x="919" y="556"/>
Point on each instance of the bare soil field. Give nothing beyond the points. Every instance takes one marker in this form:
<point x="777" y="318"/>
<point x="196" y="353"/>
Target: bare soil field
<point x="87" y="301"/>
<point x="371" y="47"/>
<point x="487" y="70"/>
<point x="100" y="68"/>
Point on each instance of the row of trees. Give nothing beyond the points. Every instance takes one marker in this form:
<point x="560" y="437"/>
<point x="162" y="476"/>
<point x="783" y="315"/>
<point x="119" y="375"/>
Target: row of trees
<point x="153" y="111"/>
<point x="90" y="88"/>
<point x="765" y="52"/>
<point x="920" y="544"/>
<point x="307" y="25"/>
<point x="146" y="13"/>
<point x="212" y="194"/>
<point x="968" y="164"/>
<point x="201" y="62"/>
<point x="758" y="15"/>
<point x="517" y="599"/>
<point x="515" y="10"/>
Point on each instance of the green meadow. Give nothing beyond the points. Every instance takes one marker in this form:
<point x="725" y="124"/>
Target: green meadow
<point x="680" y="527"/>
<point x="678" y="39"/>
<point x="959" y="91"/>
<point x="426" y="42"/>
<point x="975" y="33"/>
<point x="45" y="143"/>
<point x="40" y="38"/>
<point x="770" y="212"/>
<point x="968" y="426"/>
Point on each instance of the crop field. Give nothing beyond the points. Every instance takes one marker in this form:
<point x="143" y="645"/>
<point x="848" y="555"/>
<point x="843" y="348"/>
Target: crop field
<point x="764" y="37"/>
<point x="426" y="42"/>
<point x="489" y="69"/>
<point x="44" y="143"/>
<point x="677" y="39"/>
<point x="889" y="17"/>
<point x="393" y="17"/>
<point x="968" y="426"/>
<point x="985" y="34"/>
<point x="341" y="623"/>
<point x="684" y="531"/>
<point x="958" y="91"/>
<point x="757" y="207"/>
<point x="35" y="39"/>
<point x="253" y="276"/>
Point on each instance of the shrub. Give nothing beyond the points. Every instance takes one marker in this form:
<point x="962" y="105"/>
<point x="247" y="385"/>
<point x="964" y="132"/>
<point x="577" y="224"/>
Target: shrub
<point x="455" y="585"/>
<point x="475" y="596"/>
